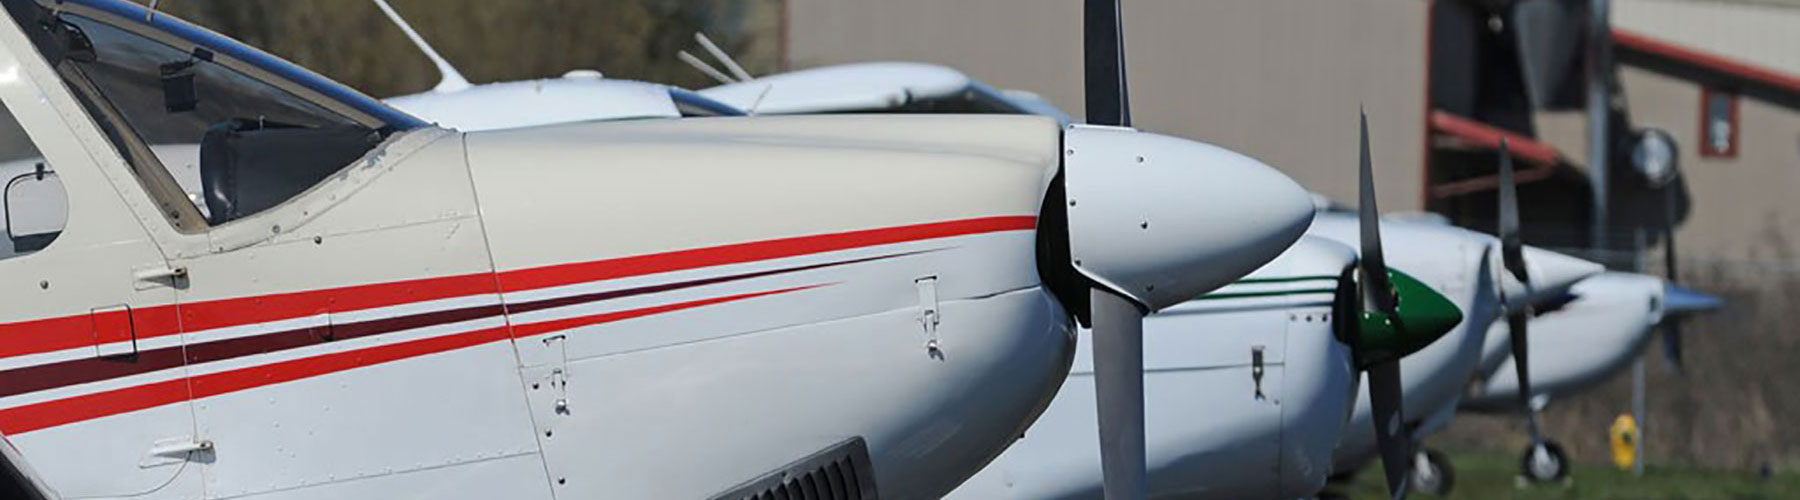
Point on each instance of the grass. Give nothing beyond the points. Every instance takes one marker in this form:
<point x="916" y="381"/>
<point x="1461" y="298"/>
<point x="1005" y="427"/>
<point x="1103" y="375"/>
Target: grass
<point x="1482" y="476"/>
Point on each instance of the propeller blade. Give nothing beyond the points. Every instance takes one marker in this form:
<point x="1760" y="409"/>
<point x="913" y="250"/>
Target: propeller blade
<point x="1118" y="329"/>
<point x="1516" y="324"/>
<point x="1671" y="322"/>
<point x="1390" y="426"/>
<point x="1512" y="252"/>
<point x="1104" y="49"/>
<point x="1672" y="343"/>
<point x="1377" y="291"/>
<point x="1118" y="323"/>
<point x="1518" y="315"/>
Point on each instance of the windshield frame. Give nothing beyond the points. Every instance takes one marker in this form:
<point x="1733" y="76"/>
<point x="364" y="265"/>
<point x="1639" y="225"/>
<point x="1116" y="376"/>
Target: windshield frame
<point x="241" y="57"/>
<point x="123" y="137"/>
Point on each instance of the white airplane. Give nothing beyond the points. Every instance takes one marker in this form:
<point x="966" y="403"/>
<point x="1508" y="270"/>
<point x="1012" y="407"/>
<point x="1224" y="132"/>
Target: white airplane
<point x="1594" y="333"/>
<point x="1492" y="278"/>
<point x="1247" y="390"/>
<point x="1589" y="323"/>
<point x="1624" y="306"/>
<point x="921" y="88"/>
<point x="370" y="307"/>
<point x="1208" y="444"/>
<point x="897" y="87"/>
<point x="903" y="87"/>
<point x="1434" y="381"/>
<point x="872" y="87"/>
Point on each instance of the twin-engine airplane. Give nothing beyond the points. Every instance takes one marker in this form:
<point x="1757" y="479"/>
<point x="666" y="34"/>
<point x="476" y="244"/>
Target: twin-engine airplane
<point x="365" y="306"/>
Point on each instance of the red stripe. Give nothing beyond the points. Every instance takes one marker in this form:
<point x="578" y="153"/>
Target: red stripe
<point x="264" y="308"/>
<point x="90" y="406"/>
<point x="528" y="330"/>
<point x="69" y="332"/>
<point x="65" y="411"/>
<point x="558" y="275"/>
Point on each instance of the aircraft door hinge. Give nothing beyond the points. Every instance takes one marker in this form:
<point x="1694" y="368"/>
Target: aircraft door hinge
<point x="928" y="313"/>
<point x="174" y="450"/>
<point x="154" y="275"/>
<point x="559" y="374"/>
<point x="1256" y="370"/>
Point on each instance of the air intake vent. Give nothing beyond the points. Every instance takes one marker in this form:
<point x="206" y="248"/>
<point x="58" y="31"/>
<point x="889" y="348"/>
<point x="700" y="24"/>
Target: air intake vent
<point x="840" y="472"/>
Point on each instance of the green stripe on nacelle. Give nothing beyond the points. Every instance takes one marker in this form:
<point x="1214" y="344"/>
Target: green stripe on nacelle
<point x="1271" y="293"/>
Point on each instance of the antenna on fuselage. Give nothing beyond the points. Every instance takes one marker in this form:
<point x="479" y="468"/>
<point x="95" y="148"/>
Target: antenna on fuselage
<point x="725" y="59"/>
<point x="701" y="65"/>
<point x="737" y="71"/>
<point x="450" y="79"/>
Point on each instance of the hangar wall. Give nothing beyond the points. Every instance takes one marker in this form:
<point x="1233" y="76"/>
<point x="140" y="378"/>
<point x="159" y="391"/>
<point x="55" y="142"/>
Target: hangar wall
<point x="1279" y="80"/>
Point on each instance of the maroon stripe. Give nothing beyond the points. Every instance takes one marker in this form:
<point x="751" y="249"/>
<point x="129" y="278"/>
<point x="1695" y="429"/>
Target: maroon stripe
<point x="65" y="373"/>
<point x="613" y="294"/>
<point x="293" y="339"/>
<point x="81" y="371"/>
<point x="54" y="375"/>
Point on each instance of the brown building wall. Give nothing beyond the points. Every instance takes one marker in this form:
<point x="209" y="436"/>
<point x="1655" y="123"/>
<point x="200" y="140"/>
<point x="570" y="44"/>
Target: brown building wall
<point x="1279" y="80"/>
<point x="1741" y="241"/>
<point x="1745" y="208"/>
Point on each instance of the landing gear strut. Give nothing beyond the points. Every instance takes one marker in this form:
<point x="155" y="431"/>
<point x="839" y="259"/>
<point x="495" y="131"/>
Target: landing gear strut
<point x="1544" y="463"/>
<point x="1432" y="473"/>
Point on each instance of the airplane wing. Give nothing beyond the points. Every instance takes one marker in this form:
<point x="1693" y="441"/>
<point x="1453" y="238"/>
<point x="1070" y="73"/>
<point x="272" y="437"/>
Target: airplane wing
<point x="876" y="87"/>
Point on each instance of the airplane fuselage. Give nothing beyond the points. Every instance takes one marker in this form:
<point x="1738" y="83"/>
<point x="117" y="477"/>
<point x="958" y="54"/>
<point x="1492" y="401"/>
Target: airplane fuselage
<point x="544" y="315"/>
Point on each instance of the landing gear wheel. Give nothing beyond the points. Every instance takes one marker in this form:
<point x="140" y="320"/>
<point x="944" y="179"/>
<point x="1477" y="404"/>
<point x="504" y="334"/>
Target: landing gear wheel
<point x="1432" y="473"/>
<point x="1542" y="464"/>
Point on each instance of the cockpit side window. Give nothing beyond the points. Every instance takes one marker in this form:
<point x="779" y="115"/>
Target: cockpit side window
<point x="210" y="142"/>
<point x="33" y="205"/>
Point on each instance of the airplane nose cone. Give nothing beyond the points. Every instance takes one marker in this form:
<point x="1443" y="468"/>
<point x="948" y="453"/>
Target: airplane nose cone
<point x="1162" y="219"/>
<point x="1551" y="274"/>
<point x="1421" y="316"/>
<point x="1678" y="300"/>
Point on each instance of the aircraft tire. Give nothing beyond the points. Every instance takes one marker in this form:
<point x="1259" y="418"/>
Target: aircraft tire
<point x="1434" y="475"/>
<point x="1553" y="466"/>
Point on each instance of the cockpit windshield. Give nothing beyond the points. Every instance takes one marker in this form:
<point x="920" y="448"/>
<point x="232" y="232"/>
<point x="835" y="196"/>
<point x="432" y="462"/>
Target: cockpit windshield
<point x="215" y="130"/>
